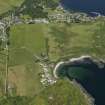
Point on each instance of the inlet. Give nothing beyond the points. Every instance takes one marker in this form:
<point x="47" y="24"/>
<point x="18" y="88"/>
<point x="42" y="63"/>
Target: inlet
<point x="88" y="72"/>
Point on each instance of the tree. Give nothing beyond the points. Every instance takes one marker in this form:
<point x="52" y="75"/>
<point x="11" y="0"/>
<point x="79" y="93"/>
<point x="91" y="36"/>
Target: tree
<point x="35" y="8"/>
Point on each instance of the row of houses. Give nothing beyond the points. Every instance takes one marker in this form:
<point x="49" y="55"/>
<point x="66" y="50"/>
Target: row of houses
<point x="54" y="17"/>
<point x="19" y="20"/>
<point x="70" y="17"/>
<point x="3" y="35"/>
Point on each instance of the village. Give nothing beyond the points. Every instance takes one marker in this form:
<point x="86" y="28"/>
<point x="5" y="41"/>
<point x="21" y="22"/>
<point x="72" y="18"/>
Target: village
<point x="60" y="15"/>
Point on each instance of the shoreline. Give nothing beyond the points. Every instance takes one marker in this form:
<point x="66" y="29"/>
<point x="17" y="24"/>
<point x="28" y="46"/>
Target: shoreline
<point x="82" y="59"/>
<point x="88" y="96"/>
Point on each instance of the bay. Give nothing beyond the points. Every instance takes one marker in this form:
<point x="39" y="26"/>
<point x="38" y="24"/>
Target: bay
<point x="87" y="6"/>
<point x="90" y="76"/>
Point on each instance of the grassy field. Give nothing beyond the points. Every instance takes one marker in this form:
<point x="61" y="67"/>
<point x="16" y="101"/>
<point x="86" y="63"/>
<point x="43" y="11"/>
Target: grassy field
<point x="64" y="40"/>
<point x="77" y="39"/>
<point x="25" y="79"/>
<point x="6" y="5"/>
<point x="26" y="41"/>
<point x="62" y="93"/>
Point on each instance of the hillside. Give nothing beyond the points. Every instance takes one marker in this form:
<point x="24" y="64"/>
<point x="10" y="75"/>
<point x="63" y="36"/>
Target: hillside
<point x="6" y="5"/>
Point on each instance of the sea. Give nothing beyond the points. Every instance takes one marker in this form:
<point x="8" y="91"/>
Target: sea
<point x="87" y="6"/>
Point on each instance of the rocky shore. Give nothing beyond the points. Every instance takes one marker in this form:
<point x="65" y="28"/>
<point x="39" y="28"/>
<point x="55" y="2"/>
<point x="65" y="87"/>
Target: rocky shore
<point x="82" y="60"/>
<point x="90" y="99"/>
<point x="77" y="61"/>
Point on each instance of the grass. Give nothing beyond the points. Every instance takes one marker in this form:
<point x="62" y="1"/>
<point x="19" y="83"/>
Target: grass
<point x="26" y="79"/>
<point x="64" y="41"/>
<point x="82" y="39"/>
<point x="62" y="93"/>
<point x="26" y="41"/>
<point x="6" y="5"/>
